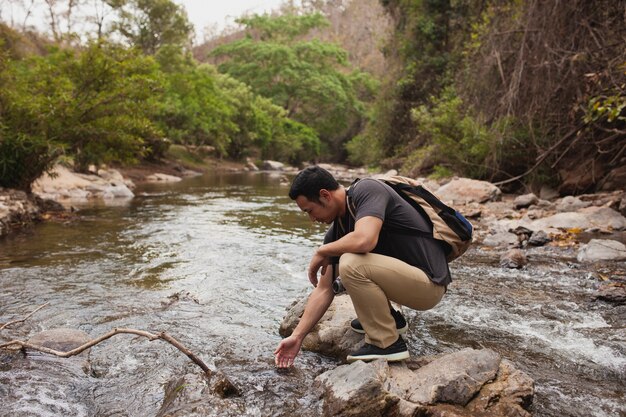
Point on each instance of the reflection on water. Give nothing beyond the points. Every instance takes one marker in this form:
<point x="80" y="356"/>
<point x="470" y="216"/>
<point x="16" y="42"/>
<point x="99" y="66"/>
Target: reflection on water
<point x="215" y="260"/>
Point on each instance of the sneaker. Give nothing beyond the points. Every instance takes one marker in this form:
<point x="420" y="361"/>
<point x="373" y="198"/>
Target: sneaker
<point x="396" y="352"/>
<point x="400" y="323"/>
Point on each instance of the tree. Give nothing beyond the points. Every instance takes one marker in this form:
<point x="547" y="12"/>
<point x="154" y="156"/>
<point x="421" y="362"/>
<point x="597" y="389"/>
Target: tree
<point x="152" y="24"/>
<point x="310" y="79"/>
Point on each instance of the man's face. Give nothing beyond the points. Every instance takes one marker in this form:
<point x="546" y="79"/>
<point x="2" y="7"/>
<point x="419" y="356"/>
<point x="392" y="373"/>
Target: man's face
<point x="321" y="212"/>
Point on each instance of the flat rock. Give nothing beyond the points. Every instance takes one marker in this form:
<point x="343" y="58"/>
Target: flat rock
<point x="461" y="384"/>
<point x="602" y="250"/>
<point x="455" y="378"/>
<point x="465" y="190"/>
<point x="159" y="177"/>
<point x="524" y="201"/>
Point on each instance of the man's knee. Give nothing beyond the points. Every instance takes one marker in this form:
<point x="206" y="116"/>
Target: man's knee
<point x="348" y="264"/>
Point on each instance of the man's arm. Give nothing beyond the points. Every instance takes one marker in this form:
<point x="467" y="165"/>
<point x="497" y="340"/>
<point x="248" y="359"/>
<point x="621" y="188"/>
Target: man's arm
<point x="317" y="304"/>
<point x="362" y="240"/>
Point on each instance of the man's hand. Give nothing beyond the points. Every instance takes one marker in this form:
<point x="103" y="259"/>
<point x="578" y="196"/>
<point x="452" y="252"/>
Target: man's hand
<point x="286" y="352"/>
<point x="317" y="261"/>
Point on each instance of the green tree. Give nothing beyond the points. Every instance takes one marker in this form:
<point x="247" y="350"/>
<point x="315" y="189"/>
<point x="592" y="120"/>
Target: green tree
<point x="152" y="24"/>
<point x="310" y="79"/>
<point x="95" y="104"/>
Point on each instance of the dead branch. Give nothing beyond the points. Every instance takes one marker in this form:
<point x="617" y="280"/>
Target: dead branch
<point x="5" y="325"/>
<point x="76" y="351"/>
<point x="541" y="158"/>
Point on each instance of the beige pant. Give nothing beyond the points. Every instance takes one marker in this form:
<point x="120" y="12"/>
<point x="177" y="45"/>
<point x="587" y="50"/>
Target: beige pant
<point x="373" y="280"/>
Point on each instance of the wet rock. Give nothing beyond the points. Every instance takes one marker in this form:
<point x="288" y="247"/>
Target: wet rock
<point x="16" y="209"/>
<point x="61" y="339"/>
<point x="454" y="378"/>
<point x="464" y="383"/>
<point x="332" y="335"/>
<point x="49" y="205"/>
<point x="357" y="390"/>
<point x="524" y="201"/>
<point x="602" y="250"/>
<point x="612" y="292"/>
<point x="223" y="386"/>
<point x="511" y="394"/>
<point x="570" y="203"/>
<point x="159" y="177"/>
<point x="273" y="165"/>
<point x="539" y="238"/>
<point x="465" y="190"/>
<point x="514" y="258"/>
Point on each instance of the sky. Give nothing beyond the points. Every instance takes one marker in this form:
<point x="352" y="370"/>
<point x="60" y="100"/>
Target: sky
<point x="223" y="12"/>
<point x="208" y="15"/>
<point x="214" y="14"/>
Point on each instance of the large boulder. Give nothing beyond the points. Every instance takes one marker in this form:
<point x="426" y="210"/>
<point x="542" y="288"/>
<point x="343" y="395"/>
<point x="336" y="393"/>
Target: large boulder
<point x="64" y="184"/>
<point x="464" y="383"/>
<point x="465" y="190"/>
<point x="357" y="390"/>
<point x="590" y="218"/>
<point x="332" y="335"/>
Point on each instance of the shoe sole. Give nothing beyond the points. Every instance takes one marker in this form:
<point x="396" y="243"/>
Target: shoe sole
<point x="389" y="358"/>
<point x="401" y="330"/>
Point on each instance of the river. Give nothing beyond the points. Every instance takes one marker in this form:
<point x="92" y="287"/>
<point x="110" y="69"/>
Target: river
<point x="215" y="260"/>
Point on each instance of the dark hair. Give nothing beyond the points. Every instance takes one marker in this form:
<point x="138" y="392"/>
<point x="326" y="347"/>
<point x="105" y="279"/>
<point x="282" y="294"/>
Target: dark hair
<point x="310" y="181"/>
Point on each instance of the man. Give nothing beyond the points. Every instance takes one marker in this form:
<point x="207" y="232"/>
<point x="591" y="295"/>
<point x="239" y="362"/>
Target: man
<point x="385" y="253"/>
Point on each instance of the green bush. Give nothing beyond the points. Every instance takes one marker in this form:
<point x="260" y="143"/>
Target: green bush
<point x="23" y="159"/>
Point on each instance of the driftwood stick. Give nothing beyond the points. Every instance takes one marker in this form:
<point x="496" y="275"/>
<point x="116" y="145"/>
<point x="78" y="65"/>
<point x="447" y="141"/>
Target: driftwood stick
<point x="5" y="325"/>
<point x="76" y="351"/>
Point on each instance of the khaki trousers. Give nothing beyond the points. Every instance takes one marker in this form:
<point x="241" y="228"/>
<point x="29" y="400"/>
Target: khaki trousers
<point x="373" y="280"/>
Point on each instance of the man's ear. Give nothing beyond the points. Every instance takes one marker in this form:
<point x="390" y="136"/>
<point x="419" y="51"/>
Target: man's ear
<point x="325" y="195"/>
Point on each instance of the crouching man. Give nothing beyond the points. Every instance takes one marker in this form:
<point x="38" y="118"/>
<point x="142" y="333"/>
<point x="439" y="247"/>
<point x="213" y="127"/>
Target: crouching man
<point x="382" y="249"/>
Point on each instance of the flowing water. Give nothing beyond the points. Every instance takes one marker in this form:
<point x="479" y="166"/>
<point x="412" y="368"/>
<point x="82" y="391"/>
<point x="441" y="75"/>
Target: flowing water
<point x="215" y="260"/>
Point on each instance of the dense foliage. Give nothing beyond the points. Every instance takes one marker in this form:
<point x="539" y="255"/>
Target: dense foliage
<point x="505" y="91"/>
<point x="110" y="103"/>
<point x="520" y="93"/>
<point x="310" y="79"/>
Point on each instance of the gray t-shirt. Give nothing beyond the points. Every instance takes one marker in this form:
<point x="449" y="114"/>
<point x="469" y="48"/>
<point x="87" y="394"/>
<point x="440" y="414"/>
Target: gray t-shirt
<point x="370" y="197"/>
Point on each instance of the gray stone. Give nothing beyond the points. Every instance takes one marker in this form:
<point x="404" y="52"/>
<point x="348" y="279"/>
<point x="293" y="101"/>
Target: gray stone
<point x="454" y="378"/>
<point x="501" y="239"/>
<point x="273" y="165"/>
<point x="603" y="218"/>
<point x="570" y="203"/>
<point x="465" y="190"/>
<point x="539" y="238"/>
<point x="357" y="390"/>
<point x="548" y="193"/>
<point x="524" y="201"/>
<point x="602" y="250"/>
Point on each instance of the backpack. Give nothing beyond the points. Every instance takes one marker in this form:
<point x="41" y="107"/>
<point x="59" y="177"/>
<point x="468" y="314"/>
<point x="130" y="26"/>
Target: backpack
<point x="449" y="226"/>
